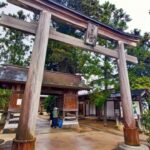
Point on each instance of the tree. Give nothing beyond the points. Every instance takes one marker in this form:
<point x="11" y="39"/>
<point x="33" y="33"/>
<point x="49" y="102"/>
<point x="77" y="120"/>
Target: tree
<point x="87" y="7"/>
<point x="104" y="69"/>
<point x="99" y="71"/>
<point x="49" y="103"/>
<point x="114" y="17"/>
<point x="61" y="57"/>
<point x="14" y="45"/>
<point x="140" y="73"/>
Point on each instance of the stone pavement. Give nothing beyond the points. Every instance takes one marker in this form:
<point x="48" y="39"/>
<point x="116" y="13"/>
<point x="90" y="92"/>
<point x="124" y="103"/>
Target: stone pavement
<point x="88" y="137"/>
<point x="93" y="140"/>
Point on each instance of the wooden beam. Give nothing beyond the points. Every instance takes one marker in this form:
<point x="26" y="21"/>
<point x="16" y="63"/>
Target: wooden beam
<point x="31" y="28"/>
<point x="12" y="22"/>
<point x="72" y="18"/>
<point x="80" y="43"/>
<point x="105" y="33"/>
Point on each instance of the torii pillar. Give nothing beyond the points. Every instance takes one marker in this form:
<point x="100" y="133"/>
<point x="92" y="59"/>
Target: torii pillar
<point x="131" y="135"/>
<point x="25" y="136"/>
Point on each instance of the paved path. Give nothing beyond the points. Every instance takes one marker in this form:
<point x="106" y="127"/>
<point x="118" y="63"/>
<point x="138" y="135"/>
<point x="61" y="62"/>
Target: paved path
<point x="85" y="138"/>
<point x="93" y="140"/>
<point x="42" y="126"/>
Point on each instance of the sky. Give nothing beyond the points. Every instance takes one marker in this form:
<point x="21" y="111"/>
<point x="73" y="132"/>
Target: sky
<point x="137" y="9"/>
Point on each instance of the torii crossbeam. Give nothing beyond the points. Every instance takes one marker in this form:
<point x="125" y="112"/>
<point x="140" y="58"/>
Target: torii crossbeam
<point x="25" y="137"/>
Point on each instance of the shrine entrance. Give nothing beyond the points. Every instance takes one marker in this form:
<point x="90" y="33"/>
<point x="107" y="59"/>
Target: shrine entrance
<point x="49" y="10"/>
<point x="62" y="94"/>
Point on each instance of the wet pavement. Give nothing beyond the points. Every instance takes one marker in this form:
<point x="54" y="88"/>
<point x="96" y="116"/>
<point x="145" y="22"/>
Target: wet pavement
<point x="90" y="136"/>
<point x="93" y="140"/>
<point x="42" y="126"/>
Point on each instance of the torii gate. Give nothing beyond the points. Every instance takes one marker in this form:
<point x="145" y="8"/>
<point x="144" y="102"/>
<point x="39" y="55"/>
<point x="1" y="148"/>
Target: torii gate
<point x="25" y="136"/>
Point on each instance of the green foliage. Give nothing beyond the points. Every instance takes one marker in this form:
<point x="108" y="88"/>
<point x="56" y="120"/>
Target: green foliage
<point x="146" y="123"/>
<point x="140" y="73"/>
<point x="49" y="103"/>
<point x="14" y="48"/>
<point x="61" y="57"/>
<point x="114" y="17"/>
<point x="140" y="83"/>
<point x="99" y="98"/>
<point x="88" y="7"/>
<point x="4" y="98"/>
<point x="99" y="71"/>
<point x="148" y="100"/>
<point x="104" y="68"/>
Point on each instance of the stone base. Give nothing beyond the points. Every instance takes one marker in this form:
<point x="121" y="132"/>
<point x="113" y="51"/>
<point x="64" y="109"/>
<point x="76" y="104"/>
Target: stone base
<point x="1" y="141"/>
<point x="70" y="124"/>
<point x="23" y="144"/>
<point x="123" y="146"/>
<point x="131" y="136"/>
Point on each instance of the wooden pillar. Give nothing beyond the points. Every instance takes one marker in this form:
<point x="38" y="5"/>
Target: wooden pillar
<point x="25" y="137"/>
<point x="131" y="134"/>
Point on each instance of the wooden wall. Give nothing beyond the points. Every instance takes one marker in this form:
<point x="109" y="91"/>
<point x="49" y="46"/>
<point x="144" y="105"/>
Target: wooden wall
<point x="70" y="100"/>
<point x="13" y="106"/>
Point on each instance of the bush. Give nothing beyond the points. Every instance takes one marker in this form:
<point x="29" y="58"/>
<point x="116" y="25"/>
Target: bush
<point x="49" y="103"/>
<point x="146" y="123"/>
<point x="4" y="98"/>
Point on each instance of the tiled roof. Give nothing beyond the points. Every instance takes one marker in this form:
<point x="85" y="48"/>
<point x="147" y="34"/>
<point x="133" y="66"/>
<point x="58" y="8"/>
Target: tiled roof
<point x="51" y="79"/>
<point x="134" y="93"/>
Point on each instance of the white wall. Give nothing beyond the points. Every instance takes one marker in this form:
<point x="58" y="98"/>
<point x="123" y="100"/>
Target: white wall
<point x="110" y="109"/>
<point x="137" y="107"/>
<point x="87" y="109"/>
<point x="92" y="109"/>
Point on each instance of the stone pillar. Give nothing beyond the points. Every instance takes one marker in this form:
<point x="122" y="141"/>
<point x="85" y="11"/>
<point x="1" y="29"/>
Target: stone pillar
<point x="25" y="137"/>
<point x="131" y="135"/>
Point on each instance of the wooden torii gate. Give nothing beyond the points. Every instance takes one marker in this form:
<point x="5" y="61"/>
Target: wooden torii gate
<point x="25" y="136"/>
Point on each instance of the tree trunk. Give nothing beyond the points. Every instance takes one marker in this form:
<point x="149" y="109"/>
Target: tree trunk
<point x="105" y="114"/>
<point x="106" y="88"/>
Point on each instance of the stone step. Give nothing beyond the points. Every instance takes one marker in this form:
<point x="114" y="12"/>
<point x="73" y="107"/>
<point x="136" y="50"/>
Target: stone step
<point x="16" y="115"/>
<point x="10" y="128"/>
<point x="13" y="120"/>
<point x="70" y="124"/>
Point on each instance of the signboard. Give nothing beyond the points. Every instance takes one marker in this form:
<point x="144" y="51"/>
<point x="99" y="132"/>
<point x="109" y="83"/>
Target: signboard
<point x="19" y="101"/>
<point x="91" y="35"/>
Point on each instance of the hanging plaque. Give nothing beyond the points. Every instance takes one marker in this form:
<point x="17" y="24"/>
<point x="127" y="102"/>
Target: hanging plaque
<point x="91" y="34"/>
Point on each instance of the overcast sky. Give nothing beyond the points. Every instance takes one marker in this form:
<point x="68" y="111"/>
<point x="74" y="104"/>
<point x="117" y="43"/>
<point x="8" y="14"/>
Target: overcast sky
<point x="137" y="9"/>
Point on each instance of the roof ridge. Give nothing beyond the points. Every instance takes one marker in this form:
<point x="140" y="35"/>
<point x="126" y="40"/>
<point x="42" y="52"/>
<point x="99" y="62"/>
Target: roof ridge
<point x="93" y="20"/>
